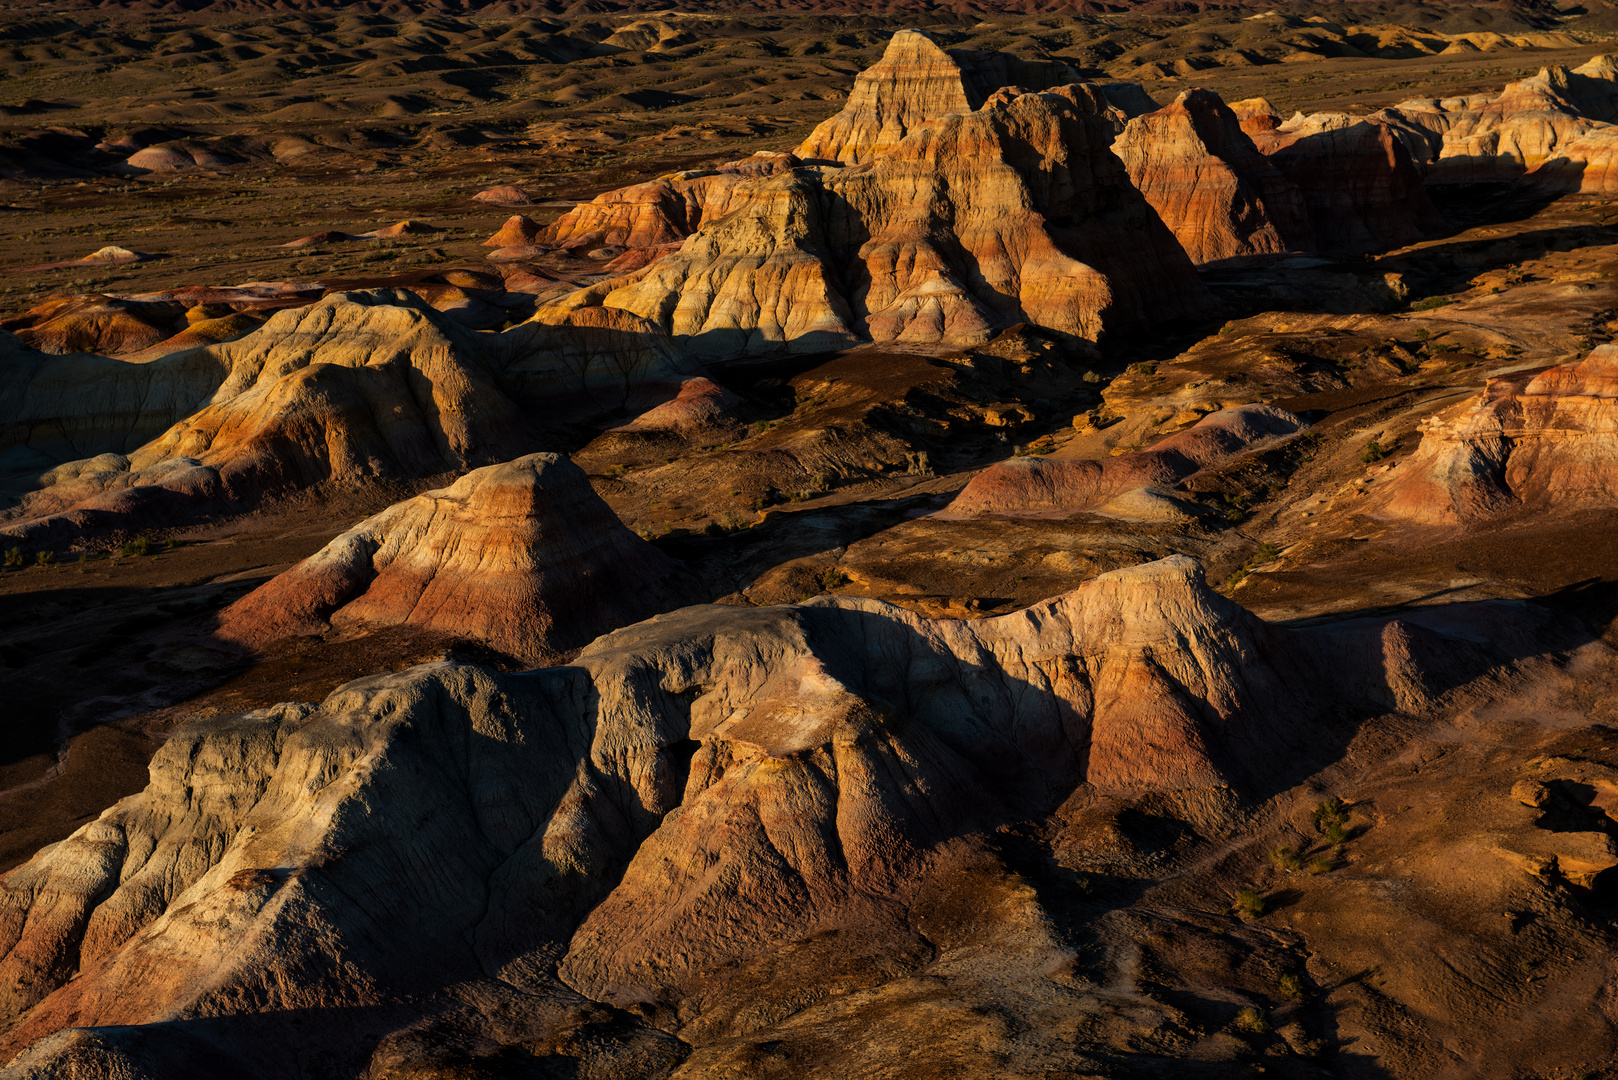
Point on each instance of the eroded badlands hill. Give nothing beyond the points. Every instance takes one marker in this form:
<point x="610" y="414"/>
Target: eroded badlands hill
<point x="1020" y="574"/>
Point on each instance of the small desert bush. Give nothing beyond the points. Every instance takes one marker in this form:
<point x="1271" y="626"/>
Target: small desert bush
<point x="1291" y="986"/>
<point x="138" y="546"/>
<point x="1373" y="452"/>
<point x="14" y="557"/>
<point x="1285" y="859"/>
<point x="1249" y="902"/>
<point x="44" y="558"/>
<point x="1251" y="1020"/>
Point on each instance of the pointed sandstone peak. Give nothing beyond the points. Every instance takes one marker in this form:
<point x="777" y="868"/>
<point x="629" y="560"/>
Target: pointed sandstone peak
<point x="914" y="82"/>
<point x="1202" y="174"/>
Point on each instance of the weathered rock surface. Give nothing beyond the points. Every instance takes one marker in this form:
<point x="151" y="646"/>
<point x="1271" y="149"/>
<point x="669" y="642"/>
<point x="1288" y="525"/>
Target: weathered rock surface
<point x="1539" y="439"/>
<point x="654" y="215"/>
<point x="976" y="221"/>
<point x="1528" y="127"/>
<point x="694" y="795"/>
<point x="1042" y="486"/>
<point x="357" y="387"/>
<point x="1202" y="174"/>
<point x="1361" y="188"/>
<point x="916" y="81"/>
<point x="523" y="556"/>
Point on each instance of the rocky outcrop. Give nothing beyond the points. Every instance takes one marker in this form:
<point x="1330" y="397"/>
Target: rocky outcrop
<point x="1036" y="486"/>
<point x="517" y="231"/>
<point x="1202" y="174"/>
<point x="1017" y="213"/>
<point x="916" y="81"/>
<point x="1533" y="439"/>
<point x="1534" y="125"/>
<point x="523" y="556"/>
<point x="358" y="387"/>
<point x="659" y="213"/>
<point x="692" y="796"/>
<point x="1361" y="189"/>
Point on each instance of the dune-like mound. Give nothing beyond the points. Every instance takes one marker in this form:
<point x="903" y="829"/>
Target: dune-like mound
<point x="111" y="255"/>
<point x="517" y="231"/>
<point x="1017" y="213"/>
<point x="651" y="217"/>
<point x="329" y="236"/>
<point x="1538" y="439"/>
<point x="691" y="797"/>
<point x="95" y="324"/>
<point x="1043" y="486"/>
<point x="505" y="195"/>
<point x="523" y="556"/>
<point x="1208" y="182"/>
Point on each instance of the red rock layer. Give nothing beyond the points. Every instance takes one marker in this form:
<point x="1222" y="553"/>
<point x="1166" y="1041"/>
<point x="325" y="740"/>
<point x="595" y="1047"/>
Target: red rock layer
<point x="1202" y="174"/>
<point x="523" y="556"/>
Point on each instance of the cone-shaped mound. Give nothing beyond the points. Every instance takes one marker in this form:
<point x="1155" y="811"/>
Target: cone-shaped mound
<point x="522" y="555"/>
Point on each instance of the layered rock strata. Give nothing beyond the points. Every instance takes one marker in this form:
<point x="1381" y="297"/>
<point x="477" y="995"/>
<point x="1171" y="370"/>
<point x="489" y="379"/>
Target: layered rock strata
<point x="693" y="796"/>
<point x="1527" y="127"/>
<point x="1044" y="486"/>
<point x="1359" y="184"/>
<point x="914" y="82"/>
<point x="1202" y="174"/>
<point x="523" y="556"/>
<point x="358" y="387"/>
<point x="1543" y="439"/>
<point x="1017" y="213"/>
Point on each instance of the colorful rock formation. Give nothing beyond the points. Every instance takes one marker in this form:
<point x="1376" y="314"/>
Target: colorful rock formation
<point x="1361" y="189"/>
<point x="1202" y="174"/>
<point x="690" y="795"/>
<point x="1534" y="439"/>
<point x="974" y="222"/>
<point x="523" y="556"/>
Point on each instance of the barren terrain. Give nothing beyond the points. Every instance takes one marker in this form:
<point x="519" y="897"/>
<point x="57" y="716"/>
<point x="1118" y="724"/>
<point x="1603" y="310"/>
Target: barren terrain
<point x="762" y="542"/>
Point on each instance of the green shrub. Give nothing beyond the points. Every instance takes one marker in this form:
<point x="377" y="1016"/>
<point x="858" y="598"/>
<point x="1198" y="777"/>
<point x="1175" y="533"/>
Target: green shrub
<point x="1251" y="1020"/>
<point x="1249" y="902"/>
<point x="44" y="558"/>
<point x="14" y="557"/>
<point x="1432" y="303"/>
<point x="1283" y="858"/>
<point x="1335" y="834"/>
<point x="1291" y="987"/>
<point x="138" y="546"/>
<point x="1373" y="452"/>
<point x="1322" y="865"/>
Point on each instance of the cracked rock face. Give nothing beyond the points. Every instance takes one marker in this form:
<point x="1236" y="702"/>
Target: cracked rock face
<point x="695" y="798"/>
<point x="1202" y="174"/>
<point x="1539" y="439"/>
<point x="523" y="556"/>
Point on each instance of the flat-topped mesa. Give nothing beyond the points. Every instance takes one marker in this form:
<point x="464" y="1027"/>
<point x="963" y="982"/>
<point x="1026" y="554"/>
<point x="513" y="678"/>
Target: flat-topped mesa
<point x="1533" y="439"/>
<point x="916" y="81"/>
<point x="1362" y="191"/>
<point x="690" y="794"/>
<point x="1016" y="213"/>
<point x="1530" y="127"/>
<point x="523" y="556"/>
<point x="1202" y="174"/>
<point x="1034" y="486"/>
